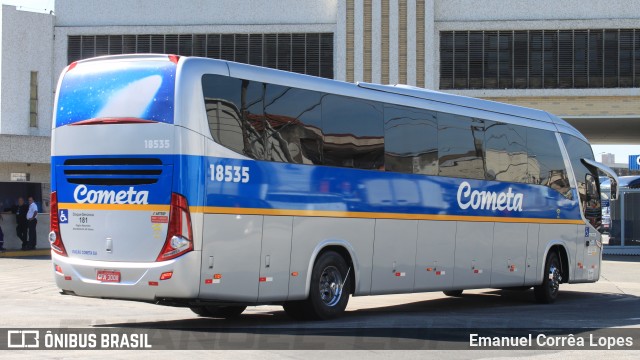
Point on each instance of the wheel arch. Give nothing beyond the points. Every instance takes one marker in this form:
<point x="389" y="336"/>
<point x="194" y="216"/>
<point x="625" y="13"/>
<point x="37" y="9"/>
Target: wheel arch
<point x="345" y="250"/>
<point x="560" y="247"/>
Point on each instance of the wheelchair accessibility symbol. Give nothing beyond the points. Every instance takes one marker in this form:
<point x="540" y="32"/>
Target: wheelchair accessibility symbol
<point x="63" y="217"/>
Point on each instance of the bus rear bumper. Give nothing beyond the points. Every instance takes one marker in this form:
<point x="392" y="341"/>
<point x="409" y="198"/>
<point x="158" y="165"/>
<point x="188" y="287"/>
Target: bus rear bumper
<point x="138" y="281"/>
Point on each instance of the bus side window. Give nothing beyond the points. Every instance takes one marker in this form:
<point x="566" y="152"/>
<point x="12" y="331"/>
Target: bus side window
<point x="460" y="146"/>
<point x="293" y="125"/>
<point x="235" y="113"/>
<point x="545" y="163"/>
<point x="411" y="140"/>
<point x="353" y="133"/>
<point x="506" y="152"/>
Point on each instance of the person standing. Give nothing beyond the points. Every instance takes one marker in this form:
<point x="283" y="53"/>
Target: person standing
<point x="32" y="221"/>
<point x="21" y="221"/>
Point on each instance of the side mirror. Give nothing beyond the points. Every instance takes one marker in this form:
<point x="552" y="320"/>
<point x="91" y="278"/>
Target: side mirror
<point x="610" y="174"/>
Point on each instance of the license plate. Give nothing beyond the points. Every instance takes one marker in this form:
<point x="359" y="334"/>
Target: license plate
<point x="108" y="276"/>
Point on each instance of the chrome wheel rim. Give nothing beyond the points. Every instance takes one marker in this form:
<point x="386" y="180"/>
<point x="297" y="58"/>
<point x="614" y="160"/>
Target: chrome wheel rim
<point x="554" y="279"/>
<point x="330" y="286"/>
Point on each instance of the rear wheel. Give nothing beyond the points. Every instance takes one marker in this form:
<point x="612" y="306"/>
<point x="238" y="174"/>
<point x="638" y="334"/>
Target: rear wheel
<point x="329" y="291"/>
<point x="454" y="293"/>
<point x="224" y="312"/>
<point x="547" y="292"/>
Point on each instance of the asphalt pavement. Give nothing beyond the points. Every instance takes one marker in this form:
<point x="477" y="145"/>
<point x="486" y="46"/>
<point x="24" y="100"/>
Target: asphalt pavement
<point x="30" y="299"/>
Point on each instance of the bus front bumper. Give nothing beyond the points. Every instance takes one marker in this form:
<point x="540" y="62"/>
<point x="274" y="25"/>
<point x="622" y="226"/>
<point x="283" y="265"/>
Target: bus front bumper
<point x="137" y="281"/>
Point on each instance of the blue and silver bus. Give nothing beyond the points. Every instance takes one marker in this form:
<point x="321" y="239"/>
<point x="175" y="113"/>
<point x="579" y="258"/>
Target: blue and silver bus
<point x="216" y="185"/>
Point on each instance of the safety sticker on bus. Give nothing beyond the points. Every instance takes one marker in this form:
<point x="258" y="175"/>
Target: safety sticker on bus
<point x="160" y="217"/>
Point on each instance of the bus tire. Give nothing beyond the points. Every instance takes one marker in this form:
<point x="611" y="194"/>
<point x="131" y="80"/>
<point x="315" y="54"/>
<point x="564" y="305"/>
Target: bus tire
<point x="224" y="312"/>
<point x="547" y="292"/>
<point x="453" y="293"/>
<point x="328" y="293"/>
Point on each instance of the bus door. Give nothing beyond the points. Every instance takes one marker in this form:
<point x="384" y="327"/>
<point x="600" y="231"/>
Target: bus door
<point x="593" y="213"/>
<point x="592" y="210"/>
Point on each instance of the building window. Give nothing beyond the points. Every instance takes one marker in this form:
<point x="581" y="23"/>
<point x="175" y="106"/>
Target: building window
<point x="536" y="59"/>
<point x="33" y="100"/>
<point x="305" y="53"/>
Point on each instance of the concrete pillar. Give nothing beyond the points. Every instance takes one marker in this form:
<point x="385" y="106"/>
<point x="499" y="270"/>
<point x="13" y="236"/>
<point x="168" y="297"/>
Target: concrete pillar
<point x="432" y="54"/>
<point x="393" y="42"/>
<point x="411" y="42"/>
<point x="340" y="46"/>
<point x="358" y="38"/>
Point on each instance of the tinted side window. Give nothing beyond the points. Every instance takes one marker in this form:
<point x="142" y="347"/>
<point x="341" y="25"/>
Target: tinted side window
<point x="411" y="140"/>
<point x="353" y="132"/>
<point x="588" y="187"/>
<point x="293" y="125"/>
<point x="460" y="146"/>
<point x="235" y="115"/>
<point x="546" y="166"/>
<point x="506" y="152"/>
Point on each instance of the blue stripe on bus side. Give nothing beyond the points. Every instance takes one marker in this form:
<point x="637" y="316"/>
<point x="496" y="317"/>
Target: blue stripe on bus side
<point x="307" y="188"/>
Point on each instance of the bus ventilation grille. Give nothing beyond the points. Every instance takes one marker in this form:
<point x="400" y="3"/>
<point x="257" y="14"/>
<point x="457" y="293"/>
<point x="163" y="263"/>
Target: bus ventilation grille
<point x="113" y="171"/>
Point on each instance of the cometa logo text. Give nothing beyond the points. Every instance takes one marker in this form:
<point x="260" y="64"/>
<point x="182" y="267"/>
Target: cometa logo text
<point x="486" y="200"/>
<point x="83" y="195"/>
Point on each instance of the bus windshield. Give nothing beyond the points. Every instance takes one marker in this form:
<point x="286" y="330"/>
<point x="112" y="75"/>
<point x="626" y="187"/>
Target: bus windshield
<point x="115" y="90"/>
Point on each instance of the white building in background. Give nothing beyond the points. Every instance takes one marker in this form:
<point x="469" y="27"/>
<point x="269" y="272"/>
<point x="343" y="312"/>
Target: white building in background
<point x="579" y="59"/>
<point x="26" y="99"/>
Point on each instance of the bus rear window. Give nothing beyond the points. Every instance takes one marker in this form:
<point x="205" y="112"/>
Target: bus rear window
<point x="117" y="89"/>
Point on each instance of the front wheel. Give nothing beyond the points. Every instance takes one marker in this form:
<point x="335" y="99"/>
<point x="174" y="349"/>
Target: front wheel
<point x="547" y="292"/>
<point x="329" y="291"/>
<point x="224" y="312"/>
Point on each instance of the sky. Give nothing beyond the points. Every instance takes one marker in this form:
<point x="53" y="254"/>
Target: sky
<point x="621" y="152"/>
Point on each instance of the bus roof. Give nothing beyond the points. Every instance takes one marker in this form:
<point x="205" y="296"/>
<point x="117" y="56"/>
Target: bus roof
<point x="460" y="100"/>
<point x="368" y="90"/>
<point x="508" y="113"/>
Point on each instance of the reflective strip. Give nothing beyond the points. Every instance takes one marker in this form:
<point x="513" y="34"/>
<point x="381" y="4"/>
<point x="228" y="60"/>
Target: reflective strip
<point x="318" y="213"/>
<point x="374" y="215"/>
<point x="128" y="207"/>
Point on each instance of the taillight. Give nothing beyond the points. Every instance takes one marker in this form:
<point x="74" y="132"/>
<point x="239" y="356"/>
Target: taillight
<point x="54" y="236"/>
<point x="179" y="236"/>
<point x="174" y="58"/>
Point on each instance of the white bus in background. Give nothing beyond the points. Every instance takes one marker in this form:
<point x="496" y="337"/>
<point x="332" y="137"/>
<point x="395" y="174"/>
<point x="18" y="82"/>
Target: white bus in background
<point x="216" y="185"/>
